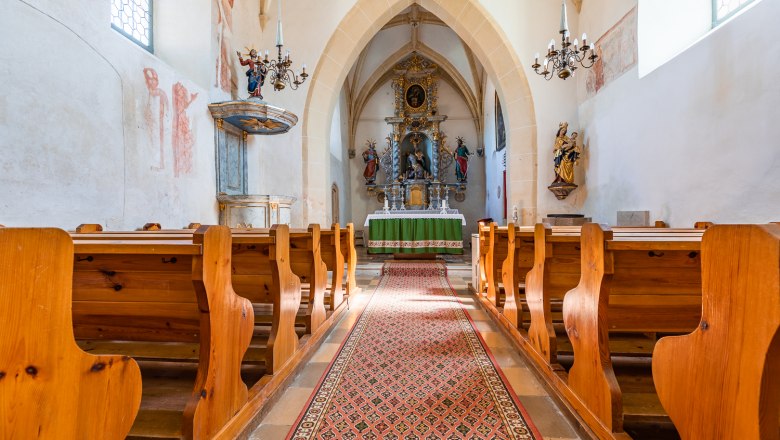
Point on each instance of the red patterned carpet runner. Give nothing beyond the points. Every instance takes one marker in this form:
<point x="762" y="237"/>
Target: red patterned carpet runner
<point x="413" y="367"/>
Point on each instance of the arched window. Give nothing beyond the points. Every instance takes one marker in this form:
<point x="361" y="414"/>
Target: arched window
<point x="722" y="10"/>
<point x="133" y="19"/>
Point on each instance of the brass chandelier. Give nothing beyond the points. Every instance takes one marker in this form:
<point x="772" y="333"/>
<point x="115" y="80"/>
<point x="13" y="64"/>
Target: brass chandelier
<point x="564" y="61"/>
<point x="279" y="72"/>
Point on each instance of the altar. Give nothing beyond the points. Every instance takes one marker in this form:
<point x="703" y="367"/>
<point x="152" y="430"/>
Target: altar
<point x="415" y="232"/>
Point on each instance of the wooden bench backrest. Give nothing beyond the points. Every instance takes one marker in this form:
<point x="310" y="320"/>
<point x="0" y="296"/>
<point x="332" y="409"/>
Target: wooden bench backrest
<point x="334" y="260"/>
<point x="262" y="273"/>
<point x="721" y="380"/>
<point x="114" y="282"/>
<point x="170" y="289"/>
<point x="306" y="262"/>
<point x="349" y="252"/>
<point x="585" y="314"/>
<point x="50" y="388"/>
<point x="656" y="281"/>
<point x="632" y="280"/>
<point x="513" y="257"/>
<point x="486" y="268"/>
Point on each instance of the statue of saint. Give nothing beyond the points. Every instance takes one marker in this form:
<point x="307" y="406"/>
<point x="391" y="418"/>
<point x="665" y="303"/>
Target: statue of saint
<point x="371" y="158"/>
<point x="566" y="154"/>
<point x="255" y="74"/>
<point x="417" y="169"/>
<point x="462" y="160"/>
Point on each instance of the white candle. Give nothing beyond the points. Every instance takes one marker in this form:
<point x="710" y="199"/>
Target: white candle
<point x="279" y="34"/>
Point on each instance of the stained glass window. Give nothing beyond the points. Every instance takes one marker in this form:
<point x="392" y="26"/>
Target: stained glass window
<point x="133" y="19"/>
<point x="723" y="9"/>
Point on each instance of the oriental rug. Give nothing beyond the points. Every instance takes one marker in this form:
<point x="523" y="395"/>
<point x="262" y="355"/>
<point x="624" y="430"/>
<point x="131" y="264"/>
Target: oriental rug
<point x="413" y="367"/>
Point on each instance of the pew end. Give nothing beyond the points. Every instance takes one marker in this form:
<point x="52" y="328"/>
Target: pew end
<point x="86" y="228"/>
<point x="54" y="388"/>
<point x="718" y="381"/>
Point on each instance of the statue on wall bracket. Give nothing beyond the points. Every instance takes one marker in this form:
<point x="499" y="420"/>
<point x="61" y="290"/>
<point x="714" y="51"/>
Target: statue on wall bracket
<point x="255" y="74"/>
<point x="371" y="158"/>
<point x="566" y="155"/>
<point x="461" y="156"/>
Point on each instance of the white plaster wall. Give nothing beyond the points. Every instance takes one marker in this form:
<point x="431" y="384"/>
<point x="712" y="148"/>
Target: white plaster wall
<point x="695" y="139"/>
<point x="76" y="142"/>
<point x="530" y="25"/>
<point x="372" y="125"/>
<point x="181" y="39"/>
<point x="446" y="42"/>
<point x="339" y="160"/>
<point x="494" y="162"/>
<point x="385" y="43"/>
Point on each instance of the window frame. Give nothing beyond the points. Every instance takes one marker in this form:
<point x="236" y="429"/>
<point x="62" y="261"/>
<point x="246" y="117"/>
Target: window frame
<point x="150" y="47"/>
<point x="717" y="22"/>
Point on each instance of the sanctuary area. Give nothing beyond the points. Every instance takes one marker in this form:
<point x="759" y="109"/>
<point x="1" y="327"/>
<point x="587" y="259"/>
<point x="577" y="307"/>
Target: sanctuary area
<point x="389" y="219"/>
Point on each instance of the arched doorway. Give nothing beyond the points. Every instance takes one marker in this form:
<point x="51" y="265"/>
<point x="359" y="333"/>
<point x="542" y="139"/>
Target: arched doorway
<point x="488" y="42"/>
<point x="334" y="203"/>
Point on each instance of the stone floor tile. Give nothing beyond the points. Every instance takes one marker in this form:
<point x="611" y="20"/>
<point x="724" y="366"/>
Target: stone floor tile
<point x="326" y="352"/>
<point x="337" y="335"/>
<point x="311" y="374"/>
<point x="495" y="340"/>
<point x="286" y="410"/>
<point x="271" y="432"/>
<point x="485" y="326"/>
<point x="523" y="381"/>
<point x="507" y="357"/>
<point x="479" y="315"/>
<point x="547" y="417"/>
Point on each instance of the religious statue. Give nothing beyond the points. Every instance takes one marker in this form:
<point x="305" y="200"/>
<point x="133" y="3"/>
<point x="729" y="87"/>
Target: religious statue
<point x="255" y="74"/>
<point x="416" y="167"/>
<point x="371" y="158"/>
<point x="461" y="155"/>
<point x="566" y="154"/>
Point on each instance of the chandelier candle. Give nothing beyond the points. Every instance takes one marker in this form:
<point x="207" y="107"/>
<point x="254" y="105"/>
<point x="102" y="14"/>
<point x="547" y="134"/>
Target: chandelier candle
<point x="563" y="62"/>
<point x="279" y="71"/>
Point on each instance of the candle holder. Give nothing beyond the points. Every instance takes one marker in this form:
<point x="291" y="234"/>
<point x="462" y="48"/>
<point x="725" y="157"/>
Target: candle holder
<point x="280" y="73"/>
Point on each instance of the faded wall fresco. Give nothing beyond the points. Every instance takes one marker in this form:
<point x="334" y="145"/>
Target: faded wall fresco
<point x="157" y="98"/>
<point x="182" y="134"/>
<point x="617" y="51"/>
<point x="224" y="33"/>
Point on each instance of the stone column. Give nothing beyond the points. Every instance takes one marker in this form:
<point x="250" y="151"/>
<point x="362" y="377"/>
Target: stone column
<point x="396" y="155"/>
<point x="435" y="154"/>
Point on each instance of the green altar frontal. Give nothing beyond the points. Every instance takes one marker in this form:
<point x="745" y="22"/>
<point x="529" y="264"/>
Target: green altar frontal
<point x="415" y="236"/>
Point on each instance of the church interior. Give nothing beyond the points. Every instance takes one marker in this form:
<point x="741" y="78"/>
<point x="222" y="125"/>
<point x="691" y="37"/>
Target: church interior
<point x="389" y="219"/>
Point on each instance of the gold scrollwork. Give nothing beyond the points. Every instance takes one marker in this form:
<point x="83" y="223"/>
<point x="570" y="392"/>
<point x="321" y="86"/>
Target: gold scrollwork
<point x="219" y="123"/>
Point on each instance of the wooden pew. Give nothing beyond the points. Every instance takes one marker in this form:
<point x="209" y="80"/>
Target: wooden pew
<point x="632" y="280"/>
<point x="720" y="382"/>
<point x="49" y="388"/>
<point x="305" y="249"/>
<point x="350" y="258"/>
<point x="556" y="270"/>
<point x="169" y="303"/>
<point x="334" y="261"/>
<point x="513" y="253"/>
<point x="487" y="283"/>
<point x="88" y="228"/>
<point x="262" y="273"/>
<point x="305" y="262"/>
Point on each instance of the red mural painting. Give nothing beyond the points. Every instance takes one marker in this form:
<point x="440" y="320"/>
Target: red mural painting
<point x="224" y="33"/>
<point x="617" y="51"/>
<point x="182" y="135"/>
<point x="153" y="83"/>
